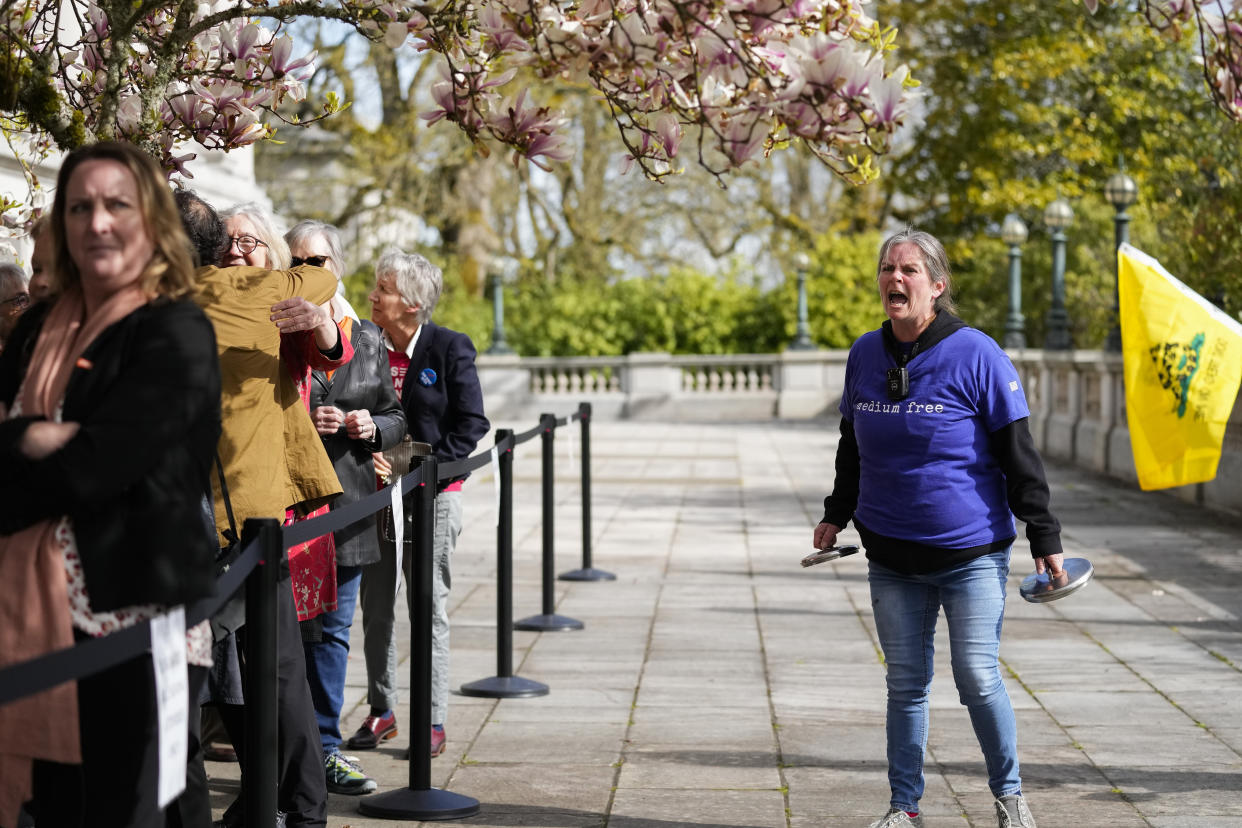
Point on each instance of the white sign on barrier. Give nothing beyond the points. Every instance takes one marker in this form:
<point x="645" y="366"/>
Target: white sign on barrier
<point x="172" y="701"/>
<point x="398" y="528"/>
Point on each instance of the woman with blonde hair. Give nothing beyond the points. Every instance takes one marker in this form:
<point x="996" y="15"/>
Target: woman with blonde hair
<point x="112" y="396"/>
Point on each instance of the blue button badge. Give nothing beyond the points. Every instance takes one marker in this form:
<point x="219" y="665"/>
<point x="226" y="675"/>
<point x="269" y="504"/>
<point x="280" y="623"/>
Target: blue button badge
<point x="427" y="376"/>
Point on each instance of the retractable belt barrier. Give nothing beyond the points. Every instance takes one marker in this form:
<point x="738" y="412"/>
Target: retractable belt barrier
<point x="259" y="547"/>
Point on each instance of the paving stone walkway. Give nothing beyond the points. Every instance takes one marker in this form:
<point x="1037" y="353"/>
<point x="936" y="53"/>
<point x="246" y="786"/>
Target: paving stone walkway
<point x="717" y="684"/>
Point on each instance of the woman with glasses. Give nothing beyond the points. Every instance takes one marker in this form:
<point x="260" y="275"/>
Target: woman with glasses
<point x="13" y="298"/>
<point x="253" y="241"/>
<point x="356" y="413"/>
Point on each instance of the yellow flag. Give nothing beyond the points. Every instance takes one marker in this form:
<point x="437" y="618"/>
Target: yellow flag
<point x="1183" y="363"/>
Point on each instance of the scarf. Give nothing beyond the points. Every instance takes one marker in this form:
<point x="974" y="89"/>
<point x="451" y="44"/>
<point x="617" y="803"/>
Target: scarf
<point x="34" y="603"/>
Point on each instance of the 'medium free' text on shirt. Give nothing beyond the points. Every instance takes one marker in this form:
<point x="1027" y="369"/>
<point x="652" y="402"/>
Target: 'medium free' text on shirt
<point x="927" y="471"/>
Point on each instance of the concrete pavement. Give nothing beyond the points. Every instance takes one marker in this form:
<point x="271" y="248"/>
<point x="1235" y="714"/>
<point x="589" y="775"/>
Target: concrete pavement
<point x="717" y="683"/>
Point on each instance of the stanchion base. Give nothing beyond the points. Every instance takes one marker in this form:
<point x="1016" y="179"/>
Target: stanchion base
<point x="588" y="574"/>
<point x="547" y="623"/>
<point x="505" y="687"/>
<point x="424" y="804"/>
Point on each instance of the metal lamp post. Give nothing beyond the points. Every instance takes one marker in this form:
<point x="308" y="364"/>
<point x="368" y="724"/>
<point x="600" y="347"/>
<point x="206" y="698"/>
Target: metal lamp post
<point x="802" y="337"/>
<point x="1014" y="234"/>
<point x="1057" y="216"/>
<point x="1121" y="192"/>
<point x="495" y="282"/>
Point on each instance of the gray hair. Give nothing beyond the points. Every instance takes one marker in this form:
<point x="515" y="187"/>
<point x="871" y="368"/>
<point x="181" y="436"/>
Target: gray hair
<point x="935" y="259"/>
<point x="418" y="281"/>
<point x="12" y="276"/>
<point x="309" y="229"/>
<point x="265" y="225"/>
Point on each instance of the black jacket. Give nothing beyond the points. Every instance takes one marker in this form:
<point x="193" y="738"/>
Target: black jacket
<point x="364" y="382"/>
<point x="147" y="396"/>
<point x="441" y="396"/>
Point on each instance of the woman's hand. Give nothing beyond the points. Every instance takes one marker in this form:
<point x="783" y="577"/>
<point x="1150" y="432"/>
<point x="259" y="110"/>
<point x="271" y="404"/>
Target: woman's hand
<point x="382" y="467"/>
<point x="1052" y="564"/>
<point x="359" y="425"/>
<point x="328" y="419"/>
<point x="43" y="438"/>
<point x="298" y="314"/>
<point x="825" y="536"/>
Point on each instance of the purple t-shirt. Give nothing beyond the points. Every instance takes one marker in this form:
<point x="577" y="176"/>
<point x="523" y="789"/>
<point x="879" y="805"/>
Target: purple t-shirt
<point x="927" y="472"/>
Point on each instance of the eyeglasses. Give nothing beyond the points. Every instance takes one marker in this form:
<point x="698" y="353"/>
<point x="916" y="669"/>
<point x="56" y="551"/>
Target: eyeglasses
<point x="17" y="303"/>
<point x="246" y="244"/>
<point x="313" y="261"/>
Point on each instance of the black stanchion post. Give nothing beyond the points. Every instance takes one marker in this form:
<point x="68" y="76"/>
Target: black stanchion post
<point x="504" y="685"/>
<point x="587" y="572"/>
<point x="420" y="801"/>
<point x="548" y="621"/>
<point x="259" y="804"/>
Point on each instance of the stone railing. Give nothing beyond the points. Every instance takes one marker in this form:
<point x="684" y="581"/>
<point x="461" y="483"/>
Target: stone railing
<point x="1077" y="399"/>
<point x="795" y="385"/>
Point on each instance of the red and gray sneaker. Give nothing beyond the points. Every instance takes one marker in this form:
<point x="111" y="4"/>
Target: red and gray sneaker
<point x="375" y="729"/>
<point x="437" y="740"/>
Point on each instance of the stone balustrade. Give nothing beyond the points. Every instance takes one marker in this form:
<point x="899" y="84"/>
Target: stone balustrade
<point x="1076" y="397"/>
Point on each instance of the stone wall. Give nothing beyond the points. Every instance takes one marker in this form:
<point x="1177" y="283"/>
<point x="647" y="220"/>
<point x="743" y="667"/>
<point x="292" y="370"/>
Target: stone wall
<point x="1077" y="400"/>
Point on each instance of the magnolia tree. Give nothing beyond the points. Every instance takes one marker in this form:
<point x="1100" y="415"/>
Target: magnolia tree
<point x="1217" y="25"/>
<point x="734" y="79"/>
<point x="724" y="81"/>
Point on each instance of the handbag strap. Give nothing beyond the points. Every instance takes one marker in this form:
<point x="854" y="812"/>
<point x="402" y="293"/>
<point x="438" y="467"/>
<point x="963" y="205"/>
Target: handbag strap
<point x="228" y="506"/>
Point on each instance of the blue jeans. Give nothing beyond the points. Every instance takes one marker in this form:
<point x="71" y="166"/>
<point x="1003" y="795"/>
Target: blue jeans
<point x="327" y="660"/>
<point x="906" y="608"/>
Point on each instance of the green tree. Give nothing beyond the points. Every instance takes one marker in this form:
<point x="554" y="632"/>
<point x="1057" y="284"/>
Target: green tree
<point x="1028" y="101"/>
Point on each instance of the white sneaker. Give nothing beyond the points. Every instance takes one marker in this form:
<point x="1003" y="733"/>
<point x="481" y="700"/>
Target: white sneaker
<point x="1013" y="812"/>
<point x="897" y="818"/>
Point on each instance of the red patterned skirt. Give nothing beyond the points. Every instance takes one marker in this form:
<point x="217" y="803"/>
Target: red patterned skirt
<point x="313" y="567"/>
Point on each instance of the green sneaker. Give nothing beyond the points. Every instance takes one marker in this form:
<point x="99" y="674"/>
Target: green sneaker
<point x="1012" y="812"/>
<point x="346" y="778"/>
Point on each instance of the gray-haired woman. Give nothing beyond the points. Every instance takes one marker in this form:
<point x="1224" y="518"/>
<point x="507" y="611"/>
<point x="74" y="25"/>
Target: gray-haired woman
<point x="934" y="461"/>
<point x="435" y="378"/>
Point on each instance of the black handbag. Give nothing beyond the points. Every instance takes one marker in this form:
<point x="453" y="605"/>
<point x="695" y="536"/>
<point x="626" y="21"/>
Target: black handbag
<point x="402" y="456"/>
<point x="232" y="614"/>
<point x="232" y="548"/>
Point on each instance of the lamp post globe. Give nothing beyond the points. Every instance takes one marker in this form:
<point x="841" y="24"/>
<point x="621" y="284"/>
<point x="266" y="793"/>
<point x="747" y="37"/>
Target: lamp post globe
<point x="1121" y="192"/>
<point x="1057" y="216"/>
<point x="1014" y="234"/>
